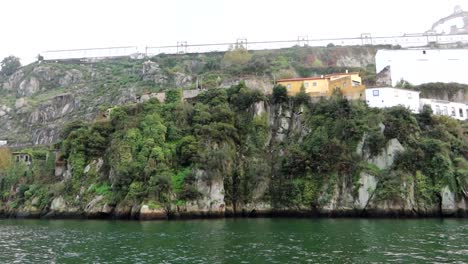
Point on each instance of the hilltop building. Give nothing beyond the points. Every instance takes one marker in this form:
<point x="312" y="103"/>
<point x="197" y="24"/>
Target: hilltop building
<point x="419" y="66"/>
<point x="441" y="107"/>
<point x="383" y="97"/>
<point x="3" y="142"/>
<point x="350" y="85"/>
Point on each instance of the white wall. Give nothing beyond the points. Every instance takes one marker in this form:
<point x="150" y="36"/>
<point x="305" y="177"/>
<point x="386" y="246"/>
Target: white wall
<point x="423" y="66"/>
<point x="388" y="97"/>
<point x="3" y="142"/>
<point x="439" y="107"/>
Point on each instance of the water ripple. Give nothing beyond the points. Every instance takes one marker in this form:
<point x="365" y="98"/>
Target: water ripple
<point x="235" y="241"/>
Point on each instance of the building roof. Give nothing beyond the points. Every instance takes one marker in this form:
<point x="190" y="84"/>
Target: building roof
<point x="441" y="101"/>
<point x="401" y="89"/>
<point x="328" y="76"/>
<point x="301" y="79"/>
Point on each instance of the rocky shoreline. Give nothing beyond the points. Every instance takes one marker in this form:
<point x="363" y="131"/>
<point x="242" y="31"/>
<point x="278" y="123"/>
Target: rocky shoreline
<point x="144" y="214"/>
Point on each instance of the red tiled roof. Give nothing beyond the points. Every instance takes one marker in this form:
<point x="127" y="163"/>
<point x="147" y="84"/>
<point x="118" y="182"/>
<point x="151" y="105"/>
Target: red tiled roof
<point x="301" y="79"/>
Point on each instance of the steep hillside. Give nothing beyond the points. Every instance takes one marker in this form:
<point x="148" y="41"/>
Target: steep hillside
<point x="238" y="152"/>
<point x="37" y="100"/>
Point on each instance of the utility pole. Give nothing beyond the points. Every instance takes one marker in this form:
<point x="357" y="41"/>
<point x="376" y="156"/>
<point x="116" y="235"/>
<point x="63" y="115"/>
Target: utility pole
<point x="303" y="41"/>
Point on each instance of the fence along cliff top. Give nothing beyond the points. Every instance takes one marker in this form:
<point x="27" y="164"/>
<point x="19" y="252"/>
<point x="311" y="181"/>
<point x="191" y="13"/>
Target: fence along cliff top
<point x="407" y="40"/>
<point x="109" y="52"/>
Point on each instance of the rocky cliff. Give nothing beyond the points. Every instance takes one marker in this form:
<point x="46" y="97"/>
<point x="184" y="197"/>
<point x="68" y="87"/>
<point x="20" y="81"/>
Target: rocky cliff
<point x="243" y="149"/>
<point x="234" y="152"/>
<point x="37" y="100"/>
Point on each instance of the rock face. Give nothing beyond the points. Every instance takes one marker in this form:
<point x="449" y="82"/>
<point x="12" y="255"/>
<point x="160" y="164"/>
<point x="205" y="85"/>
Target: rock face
<point x="343" y="196"/>
<point x="58" y="204"/>
<point x="384" y="77"/>
<point x="386" y="158"/>
<point x="210" y="202"/>
<point x="147" y="213"/>
<point x="44" y="96"/>
<point x="368" y="184"/>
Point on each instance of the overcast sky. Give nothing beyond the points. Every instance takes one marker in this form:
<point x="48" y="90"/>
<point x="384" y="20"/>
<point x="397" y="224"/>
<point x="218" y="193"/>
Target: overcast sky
<point x="31" y="26"/>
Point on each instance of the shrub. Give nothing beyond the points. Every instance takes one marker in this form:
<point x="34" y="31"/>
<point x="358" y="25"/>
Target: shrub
<point x="280" y="94"/>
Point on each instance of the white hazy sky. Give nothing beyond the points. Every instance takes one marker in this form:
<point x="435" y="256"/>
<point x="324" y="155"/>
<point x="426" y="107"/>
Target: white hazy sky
<point x="28" y="27"/>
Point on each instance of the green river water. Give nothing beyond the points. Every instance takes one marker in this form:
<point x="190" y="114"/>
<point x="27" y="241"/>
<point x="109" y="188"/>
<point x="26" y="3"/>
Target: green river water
<point x="235" y="241"/>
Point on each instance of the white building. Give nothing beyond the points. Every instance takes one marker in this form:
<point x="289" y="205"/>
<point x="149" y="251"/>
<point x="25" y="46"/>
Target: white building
<point x="3" y="142"/>
<point x="383" y="97"/>
<point x="419" y="66"/>
<point x="440" y="107"/>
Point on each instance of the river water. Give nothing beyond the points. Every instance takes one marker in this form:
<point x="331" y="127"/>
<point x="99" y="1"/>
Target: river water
<point x="235" y="241"/>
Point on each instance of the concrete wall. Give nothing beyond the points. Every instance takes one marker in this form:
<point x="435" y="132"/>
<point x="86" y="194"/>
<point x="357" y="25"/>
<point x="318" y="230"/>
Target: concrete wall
<point x="388" y="97"/>
<point x="419" y="66"/>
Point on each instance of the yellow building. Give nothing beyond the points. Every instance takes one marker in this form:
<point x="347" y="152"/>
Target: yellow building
<point x="350" y="85"/>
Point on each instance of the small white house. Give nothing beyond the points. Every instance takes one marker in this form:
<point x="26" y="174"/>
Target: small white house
<point x="3" y="142"/>
<point x="383" y="97"/>
<point x="440" y="107"/>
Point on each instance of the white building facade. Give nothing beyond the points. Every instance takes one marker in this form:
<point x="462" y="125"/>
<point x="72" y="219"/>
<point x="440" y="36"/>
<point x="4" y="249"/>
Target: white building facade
<point x="440" y="107"/>
<point x="383" y="97"/>
<point x="419" y="66"/>
<point x="3" y="142"/>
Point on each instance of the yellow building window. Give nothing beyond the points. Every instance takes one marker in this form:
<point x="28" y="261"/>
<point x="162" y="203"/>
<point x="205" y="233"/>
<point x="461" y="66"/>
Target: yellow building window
<point x="288" y="86"/>
<point x="306" y="84"/>
<point x="314" y="84"/>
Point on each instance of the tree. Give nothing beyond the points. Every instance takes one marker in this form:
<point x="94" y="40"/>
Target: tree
<point x="237" y="55"/>
<point x="5" y="158"/>
<point x="9" y="65"/>
<point x="280" y="94"/>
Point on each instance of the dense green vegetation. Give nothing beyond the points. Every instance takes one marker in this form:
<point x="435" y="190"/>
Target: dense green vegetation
<point x="295" y="155"/>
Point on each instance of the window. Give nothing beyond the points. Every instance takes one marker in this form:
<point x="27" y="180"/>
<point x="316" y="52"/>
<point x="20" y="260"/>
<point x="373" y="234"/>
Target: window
<point x="288" y="86"/>
<point x="453" y="111"/>
<point x="375" y="92"/>
<point x="461" y="112"/>
<point x="445" y="110"/>
<point x="306" y="84"/>
<point x="410" y="95"/>
<point x="314" y="84"/>
<point x="437" y="110"/>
